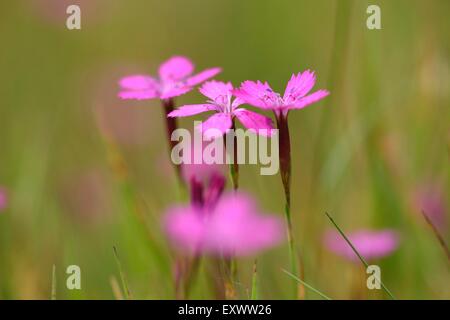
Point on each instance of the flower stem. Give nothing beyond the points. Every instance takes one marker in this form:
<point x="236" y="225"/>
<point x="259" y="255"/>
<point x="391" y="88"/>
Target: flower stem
<point x="234" y="166"/>
<point x="229" y="263"/>
<point x="171" y="126"/>
<point x="285" y="171"/>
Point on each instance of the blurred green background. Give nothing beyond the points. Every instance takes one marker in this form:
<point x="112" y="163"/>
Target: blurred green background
<point x="86" y="172"/>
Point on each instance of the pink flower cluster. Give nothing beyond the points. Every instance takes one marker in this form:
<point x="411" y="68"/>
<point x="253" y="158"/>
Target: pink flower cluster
<point x="221" y="101"/>
<point x="231" y="223"/>
<point x="176" y="78"/>
<point x="216" y="223"/>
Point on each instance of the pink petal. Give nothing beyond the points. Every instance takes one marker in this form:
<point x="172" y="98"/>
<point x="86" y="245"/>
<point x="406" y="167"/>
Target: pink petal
<point x="138" y="87"/>
<point x="138" y="82"/>
<point x="255" y="121"/>
<point x="176" y="68"/>
<point x="258" y="94"/>
<point x="217" y="91"/>
<point x="310" y="99"/>
<point x="192" y="109"/>
<point x="203" y="76"/>
<point x="216" y="125"/>
<point x="138" y="95"/>
<point x="186" y="228"/>
<point x="237" y="228"/>
<point x="298" y="86"/>
<point x="175" y="92"/>
<point x="236" y="103"/>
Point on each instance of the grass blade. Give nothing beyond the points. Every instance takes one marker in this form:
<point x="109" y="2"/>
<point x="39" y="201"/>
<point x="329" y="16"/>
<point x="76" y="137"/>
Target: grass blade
<point x="438" y="235"/>
<point x="254" y="282"/>
<point x="117" y="292"/>
<point x="306" y="285"/>
<point x="122" y="276"/>
<point x="364" y="262"/>
<point x="53" y="296"/>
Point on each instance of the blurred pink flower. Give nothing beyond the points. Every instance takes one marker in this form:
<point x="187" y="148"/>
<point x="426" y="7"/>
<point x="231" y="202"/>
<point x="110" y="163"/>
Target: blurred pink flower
<point x="430" y="199"/>
<point x="175" y="79"/>
<point x="261" y="95"/>
<point x="233" y="227"/>
<point x="370" y="244"/>
<point x="220" y="95"/>
<point x="3" y="199"/>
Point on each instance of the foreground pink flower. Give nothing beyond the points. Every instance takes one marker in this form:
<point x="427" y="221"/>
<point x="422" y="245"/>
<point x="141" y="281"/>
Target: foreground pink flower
<point x="370" y="244"/>
<point x="296" y="96"/>
<point x="3" y="199"/>
<point x="220" y="101"/>
<point x="175" y="78"/>
<point x="234" y="226"/>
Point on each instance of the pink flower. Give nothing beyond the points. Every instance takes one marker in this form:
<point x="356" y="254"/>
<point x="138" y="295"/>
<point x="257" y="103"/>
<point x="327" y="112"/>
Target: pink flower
<point x="233" y="227"/>
<point x="3" y="199"/>
<point x="370" y="244"/>
<point x="220" y="100"/>
<point x="296" y="96"/>
<point x="175" y="79"/>
<point x="430" y="199"/>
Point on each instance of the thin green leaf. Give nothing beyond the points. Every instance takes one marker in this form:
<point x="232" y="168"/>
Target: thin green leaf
<point x="438" y="235"/>
<point x="122" y="276"/>
<point x="364" y="262"/>
<point x="254" y="282"/>
<point x="53" y="296"/>
<point x="306" y="285"/>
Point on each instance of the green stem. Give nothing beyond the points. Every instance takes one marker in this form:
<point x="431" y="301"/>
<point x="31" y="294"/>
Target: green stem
<point x="230" y="263"/>
<point x="285" y="171"/>
<point x="171" y="126"/>
<point x="291" y="242"/>
<point x="254" y="295"/>
<point x="234" y="166"/>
